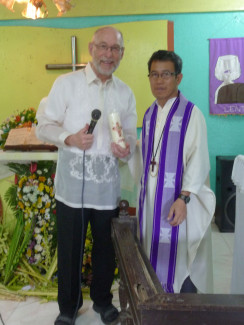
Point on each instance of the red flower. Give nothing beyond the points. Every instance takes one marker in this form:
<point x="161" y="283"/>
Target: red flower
<point x="54" y="211"/>
<point x="33" y="167"/>
<point x="17" y="118"/>
<point x="53" y="176"/>
<point x="16" y="179"/>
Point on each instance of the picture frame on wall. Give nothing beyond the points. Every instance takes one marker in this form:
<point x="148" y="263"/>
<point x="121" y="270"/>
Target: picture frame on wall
<point x="226" y="76"/>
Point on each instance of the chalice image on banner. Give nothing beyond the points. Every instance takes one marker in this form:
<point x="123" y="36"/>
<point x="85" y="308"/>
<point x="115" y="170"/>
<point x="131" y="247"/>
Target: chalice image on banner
<point x="227" y="69"/>
<point x="116" y="129"/>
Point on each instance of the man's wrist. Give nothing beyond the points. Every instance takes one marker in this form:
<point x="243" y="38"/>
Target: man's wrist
<point x="185" y="198"/>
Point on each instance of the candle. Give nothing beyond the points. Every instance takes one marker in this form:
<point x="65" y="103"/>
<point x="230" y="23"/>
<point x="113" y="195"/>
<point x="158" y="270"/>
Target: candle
<point x="116" y="129"/>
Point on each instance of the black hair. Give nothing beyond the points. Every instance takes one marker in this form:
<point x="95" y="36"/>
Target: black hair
<point x="163" y="55"/>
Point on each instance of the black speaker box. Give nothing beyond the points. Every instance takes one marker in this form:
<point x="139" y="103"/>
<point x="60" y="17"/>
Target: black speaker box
<point x="225" y="194"/>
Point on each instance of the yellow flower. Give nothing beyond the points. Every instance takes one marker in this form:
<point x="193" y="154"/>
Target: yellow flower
<point x="33" y="176"/>
<point x="42" y="179"/>
<point x="28" y="253"/>
<point x="22" y="180"/>
<point x="116" y="271"/>
<point x="47" y="205"/>
<point x="47" y="188"/>
<point x="42" y="211"/>
<point x="21" y="205"/>
<point x="41" y="187"/>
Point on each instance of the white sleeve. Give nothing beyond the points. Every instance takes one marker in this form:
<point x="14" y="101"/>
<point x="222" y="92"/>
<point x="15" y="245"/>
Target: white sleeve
<point x="195" y="154"/>
<point x="50" y="115"/>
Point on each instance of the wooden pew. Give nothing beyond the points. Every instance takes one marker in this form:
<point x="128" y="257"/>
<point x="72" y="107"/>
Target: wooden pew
<point x="142" y="299"/>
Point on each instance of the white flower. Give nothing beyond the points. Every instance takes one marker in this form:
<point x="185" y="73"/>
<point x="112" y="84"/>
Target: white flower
<point x="37" y="230"/>
<point x="39" y="172"/>
<point x="40" y="222"/>
<point x="47" y="217"/>
<point x="45" y="198"/>
<point x="45" y="170"/>
<point x="38" y="238"/>
<point x="38" y="248"/>
<point x="22" y="118"/>
<point x="32" y="197"/>
<point x="27" y="189"/>
<point x="37" y="258"/>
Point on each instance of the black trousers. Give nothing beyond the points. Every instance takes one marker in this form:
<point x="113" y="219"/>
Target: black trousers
<point x="69" y="224"/>
<point x="188" y="286"/>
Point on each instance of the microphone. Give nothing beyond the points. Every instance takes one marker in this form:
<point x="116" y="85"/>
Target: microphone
<point x="95" y="116"/>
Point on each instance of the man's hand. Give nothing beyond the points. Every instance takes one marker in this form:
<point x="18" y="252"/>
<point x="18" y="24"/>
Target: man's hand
<point x="81" y="139"/>
<point x="177" y="213"/>
<point x="120" y="152"/>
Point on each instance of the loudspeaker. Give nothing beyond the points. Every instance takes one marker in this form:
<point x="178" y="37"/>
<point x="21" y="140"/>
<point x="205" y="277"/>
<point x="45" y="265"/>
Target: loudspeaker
<point x="225" y="194"/>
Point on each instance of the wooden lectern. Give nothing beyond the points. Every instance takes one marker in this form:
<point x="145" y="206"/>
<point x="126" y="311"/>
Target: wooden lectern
<point x="142" y="299"/>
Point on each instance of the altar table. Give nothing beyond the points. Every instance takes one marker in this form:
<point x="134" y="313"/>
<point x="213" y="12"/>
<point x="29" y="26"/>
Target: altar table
<point x="22" y="157"/>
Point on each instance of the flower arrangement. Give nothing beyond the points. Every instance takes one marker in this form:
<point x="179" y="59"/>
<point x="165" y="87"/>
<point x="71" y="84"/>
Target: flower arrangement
<point x="25" y="118"/>
<point x="33" y="194"/>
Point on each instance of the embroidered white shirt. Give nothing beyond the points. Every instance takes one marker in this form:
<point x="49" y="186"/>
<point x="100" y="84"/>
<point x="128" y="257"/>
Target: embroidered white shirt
<point x="65" y="111"/>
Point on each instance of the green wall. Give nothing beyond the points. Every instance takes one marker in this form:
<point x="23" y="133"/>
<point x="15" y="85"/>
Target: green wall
<point x="192" y="32"/>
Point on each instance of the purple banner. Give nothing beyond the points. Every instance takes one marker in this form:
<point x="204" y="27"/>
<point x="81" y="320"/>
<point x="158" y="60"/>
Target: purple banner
<point x="226" y="76"/>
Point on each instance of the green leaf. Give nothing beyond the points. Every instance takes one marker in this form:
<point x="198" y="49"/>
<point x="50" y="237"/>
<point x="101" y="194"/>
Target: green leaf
<point x="11" y="197"/>
<point x="19" y="242"/>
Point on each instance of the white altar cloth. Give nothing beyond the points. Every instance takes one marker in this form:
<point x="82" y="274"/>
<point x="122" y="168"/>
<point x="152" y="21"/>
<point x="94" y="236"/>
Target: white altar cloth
<point x="22" y="157"/>
<point x="237" y="281"/>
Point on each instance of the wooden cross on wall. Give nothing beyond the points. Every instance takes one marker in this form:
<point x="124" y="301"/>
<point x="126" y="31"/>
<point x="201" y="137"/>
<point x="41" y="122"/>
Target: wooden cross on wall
<point x="73" y="65"/>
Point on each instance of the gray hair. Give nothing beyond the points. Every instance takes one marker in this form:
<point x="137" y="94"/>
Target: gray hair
<point x="119" y="33"/>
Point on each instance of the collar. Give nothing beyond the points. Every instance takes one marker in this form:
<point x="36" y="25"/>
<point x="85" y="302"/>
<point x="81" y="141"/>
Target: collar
<point x="92" y="77"/>
<point x="168" y="103"/>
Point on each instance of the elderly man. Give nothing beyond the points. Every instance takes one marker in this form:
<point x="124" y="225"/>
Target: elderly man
<point x="87" y="179"/>
<point x="176" y="204"/>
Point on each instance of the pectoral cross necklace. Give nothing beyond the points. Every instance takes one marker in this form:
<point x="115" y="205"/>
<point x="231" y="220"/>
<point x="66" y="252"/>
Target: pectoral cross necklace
<point x="153" y="162"/>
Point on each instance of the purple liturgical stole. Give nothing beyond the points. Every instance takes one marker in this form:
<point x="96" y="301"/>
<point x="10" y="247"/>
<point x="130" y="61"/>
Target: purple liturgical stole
<point x="169" y="179"/>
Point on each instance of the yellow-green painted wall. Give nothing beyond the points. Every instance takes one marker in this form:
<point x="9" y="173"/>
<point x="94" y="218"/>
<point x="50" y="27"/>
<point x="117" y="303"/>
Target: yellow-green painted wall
<point x="127" y="7"/>
<point x="24" y="52"/>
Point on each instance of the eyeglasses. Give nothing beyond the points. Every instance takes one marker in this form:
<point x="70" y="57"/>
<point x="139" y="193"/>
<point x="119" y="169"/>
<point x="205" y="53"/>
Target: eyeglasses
<point x="114" y="49"/>
<point x="166" y="75"/>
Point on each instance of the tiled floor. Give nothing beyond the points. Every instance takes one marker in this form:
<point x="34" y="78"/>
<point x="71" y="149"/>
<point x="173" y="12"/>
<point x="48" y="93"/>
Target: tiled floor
<point x="31" y="312"/>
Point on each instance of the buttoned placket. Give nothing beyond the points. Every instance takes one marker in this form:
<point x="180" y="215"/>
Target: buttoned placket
<point x="101" y="121"/>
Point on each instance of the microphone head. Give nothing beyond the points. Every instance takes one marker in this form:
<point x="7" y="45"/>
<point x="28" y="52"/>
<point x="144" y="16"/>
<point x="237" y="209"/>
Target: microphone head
<point x="96" y="114"/>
